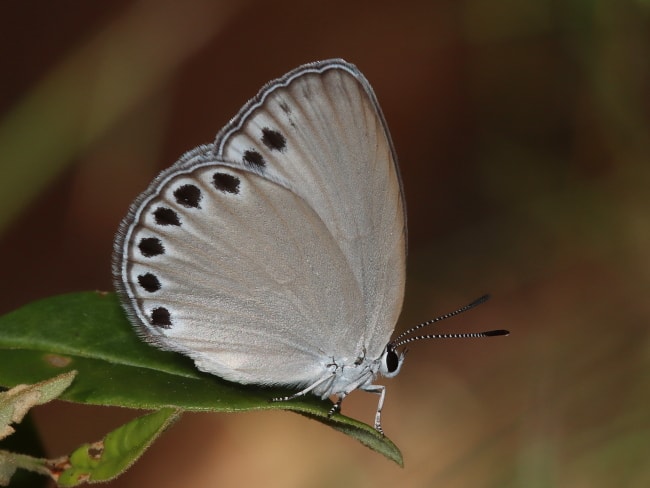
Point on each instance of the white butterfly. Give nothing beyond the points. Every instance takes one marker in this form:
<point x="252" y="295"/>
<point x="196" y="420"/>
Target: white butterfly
<point x="276" y="255"/>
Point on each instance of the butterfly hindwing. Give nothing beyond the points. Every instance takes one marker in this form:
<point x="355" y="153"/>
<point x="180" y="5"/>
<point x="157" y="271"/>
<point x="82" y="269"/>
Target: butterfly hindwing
<point x="242" y="286"/>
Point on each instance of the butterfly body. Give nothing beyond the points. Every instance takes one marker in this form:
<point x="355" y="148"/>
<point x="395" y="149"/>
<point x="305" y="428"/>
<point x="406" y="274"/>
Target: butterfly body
<point x="276" y="255"/>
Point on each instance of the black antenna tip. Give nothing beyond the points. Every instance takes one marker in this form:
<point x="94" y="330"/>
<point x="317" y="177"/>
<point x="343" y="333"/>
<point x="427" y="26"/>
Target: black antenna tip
<point x="478" y="301"/>
<point x="499" y="332"/>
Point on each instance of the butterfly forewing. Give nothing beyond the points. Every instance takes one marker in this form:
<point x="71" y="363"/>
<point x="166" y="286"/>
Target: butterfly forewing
<point x="320" y="132"/>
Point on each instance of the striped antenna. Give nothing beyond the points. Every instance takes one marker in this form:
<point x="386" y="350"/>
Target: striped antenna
<point x="402" y="339"/>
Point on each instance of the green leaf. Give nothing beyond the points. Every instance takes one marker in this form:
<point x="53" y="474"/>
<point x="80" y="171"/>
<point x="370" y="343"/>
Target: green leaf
<point x="89" y="332"/>
<point x="108" y="458"/>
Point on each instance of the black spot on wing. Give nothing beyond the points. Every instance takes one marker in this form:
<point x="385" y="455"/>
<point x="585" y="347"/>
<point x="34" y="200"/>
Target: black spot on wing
<point x="254" y="158"/>
<point x="166" y="216"/>
<point x="151" y="246"/>
<point x="188" y="196"/>
<point x="160" y="317"/>
<point x="284" y="106"/>
<point x="226" y="183"/>
<point x="273" y="139"/>
<point x="149" y="282"/>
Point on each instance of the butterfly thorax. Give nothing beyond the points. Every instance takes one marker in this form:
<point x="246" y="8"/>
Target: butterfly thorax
<point x="344" y="375"/>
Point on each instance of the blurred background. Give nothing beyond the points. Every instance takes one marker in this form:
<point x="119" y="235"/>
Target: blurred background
<point x="522" y="130"/>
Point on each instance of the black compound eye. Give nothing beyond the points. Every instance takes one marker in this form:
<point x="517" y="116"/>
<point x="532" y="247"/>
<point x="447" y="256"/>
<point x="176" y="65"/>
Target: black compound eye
<point x="392" y="360"/>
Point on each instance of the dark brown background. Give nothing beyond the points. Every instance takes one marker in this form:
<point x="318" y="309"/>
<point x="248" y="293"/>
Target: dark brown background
<point x="522" y="131"/>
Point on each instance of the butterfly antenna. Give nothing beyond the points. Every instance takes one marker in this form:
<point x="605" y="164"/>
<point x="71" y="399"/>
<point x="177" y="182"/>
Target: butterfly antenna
<point x="402" y="339"/>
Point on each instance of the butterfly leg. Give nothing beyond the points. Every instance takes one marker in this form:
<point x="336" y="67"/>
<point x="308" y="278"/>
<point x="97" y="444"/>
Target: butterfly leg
<point x="337" y="406"/>
<point x="381" y="391"/>
<point x="305" y="391"/>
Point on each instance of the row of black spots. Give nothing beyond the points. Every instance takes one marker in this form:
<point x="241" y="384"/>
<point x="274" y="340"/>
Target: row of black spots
<point x="186" y="195"/>
<point x="273" y="140"/>
<point x="150" y="247"/>
<point x="159" y="316"/>
<point x="189" y="196"/>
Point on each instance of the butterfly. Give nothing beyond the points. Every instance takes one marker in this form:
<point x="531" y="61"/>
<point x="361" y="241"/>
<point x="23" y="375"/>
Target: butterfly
<point x="276" y="255"/>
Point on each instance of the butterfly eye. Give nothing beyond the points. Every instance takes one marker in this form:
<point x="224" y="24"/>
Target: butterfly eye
<point x="391" y="362"/>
